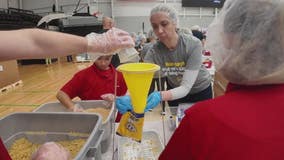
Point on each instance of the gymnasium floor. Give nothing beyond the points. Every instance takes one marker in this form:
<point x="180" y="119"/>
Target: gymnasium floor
<point x="40" y="84"/>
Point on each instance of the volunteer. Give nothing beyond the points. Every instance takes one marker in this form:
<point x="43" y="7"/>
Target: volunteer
<point x="246" y="123"/>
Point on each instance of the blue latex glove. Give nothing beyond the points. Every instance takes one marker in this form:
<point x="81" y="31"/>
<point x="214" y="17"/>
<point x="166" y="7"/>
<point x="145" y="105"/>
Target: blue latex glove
<point x="123" y="104"/>
<point x="153" y="100"/>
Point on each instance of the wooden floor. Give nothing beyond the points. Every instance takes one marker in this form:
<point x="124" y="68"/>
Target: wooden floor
<point x="40" y="85"/>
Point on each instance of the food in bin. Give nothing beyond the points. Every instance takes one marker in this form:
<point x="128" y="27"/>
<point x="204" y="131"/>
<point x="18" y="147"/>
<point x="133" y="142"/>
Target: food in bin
<point x="149" y="148"/>
<point x="104" y="112"/>
<point x="22" y="149"/>
<point x="136" y="151"/>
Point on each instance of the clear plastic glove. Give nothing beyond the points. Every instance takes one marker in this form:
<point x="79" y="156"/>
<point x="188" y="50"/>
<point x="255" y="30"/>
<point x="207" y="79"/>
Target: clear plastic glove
<point x="109" y="42"/>
<point x="123" y="104"/>
<point x="78" y="108"/>
<point x="153" y="100"/>
<point x="108" y="97"/>
<point x="51" y="151"/>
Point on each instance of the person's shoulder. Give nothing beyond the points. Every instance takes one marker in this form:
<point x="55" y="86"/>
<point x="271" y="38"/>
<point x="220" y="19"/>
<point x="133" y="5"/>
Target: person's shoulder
<point x="207" y="106"/>
<point x="199" y="107"/>
<point x="187" y="38"/>
<point x="189" y="42"/>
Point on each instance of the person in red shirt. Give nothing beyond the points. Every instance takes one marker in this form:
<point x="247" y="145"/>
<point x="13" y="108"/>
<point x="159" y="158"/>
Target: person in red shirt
<point x="4" y="155"/>
<point x="246" y="123"/>
<point x="93" y="83"/>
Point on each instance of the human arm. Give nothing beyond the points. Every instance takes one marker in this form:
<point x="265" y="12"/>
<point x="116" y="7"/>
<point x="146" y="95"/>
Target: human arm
<point x="121" y="90"/>
<point x="67" y="102"/>
<point x="109" y="97"/>
<point x="38" y="43"/>
<point x="188" y="80"/>
<point x="71" y="90"/>
<point x="156" y="97"/>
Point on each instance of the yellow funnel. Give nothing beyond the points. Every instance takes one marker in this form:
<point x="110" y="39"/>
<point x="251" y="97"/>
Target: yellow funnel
<point x="138" y="78"/>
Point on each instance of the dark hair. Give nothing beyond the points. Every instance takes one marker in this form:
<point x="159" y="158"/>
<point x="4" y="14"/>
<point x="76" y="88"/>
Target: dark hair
<point x="198" y="34"/>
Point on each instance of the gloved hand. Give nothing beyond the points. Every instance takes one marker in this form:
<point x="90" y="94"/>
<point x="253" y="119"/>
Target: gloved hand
<point x="51" y="151"/>
<point x="78" y="108"/>
<point x="123" y="104"/>
<point x="109" y="42"/>
<point x="153" y="100"/>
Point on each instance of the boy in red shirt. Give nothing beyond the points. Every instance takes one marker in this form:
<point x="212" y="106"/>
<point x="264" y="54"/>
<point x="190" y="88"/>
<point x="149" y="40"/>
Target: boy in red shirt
<point x="93" y="83"/>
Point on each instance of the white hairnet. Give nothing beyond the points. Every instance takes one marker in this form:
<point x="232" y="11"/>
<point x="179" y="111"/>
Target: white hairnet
<point x="246" y="41"/>
<point x="51" y="151"/>
<point x="172" y="13"/>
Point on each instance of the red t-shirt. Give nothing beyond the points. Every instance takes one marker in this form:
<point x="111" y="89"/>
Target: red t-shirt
<point x="247" y="123"/>
<point x="4" y="155"/>
<point x="91" y="83"/>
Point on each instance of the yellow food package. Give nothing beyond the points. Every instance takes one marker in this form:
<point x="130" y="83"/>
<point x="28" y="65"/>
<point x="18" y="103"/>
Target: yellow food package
<point x="131" y="125"/>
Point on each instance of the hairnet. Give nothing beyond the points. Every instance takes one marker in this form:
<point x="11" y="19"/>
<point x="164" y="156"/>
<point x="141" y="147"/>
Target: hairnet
<point x="246" y="41"/>
<point x="172" y="13"/>
<point x="198" y="34"/>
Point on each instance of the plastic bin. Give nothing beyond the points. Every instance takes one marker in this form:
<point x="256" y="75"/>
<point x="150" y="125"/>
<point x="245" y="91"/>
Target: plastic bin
<point x="54" y="127"/>
<point x="107" y="125"/>
<point x="149" y="148"/>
